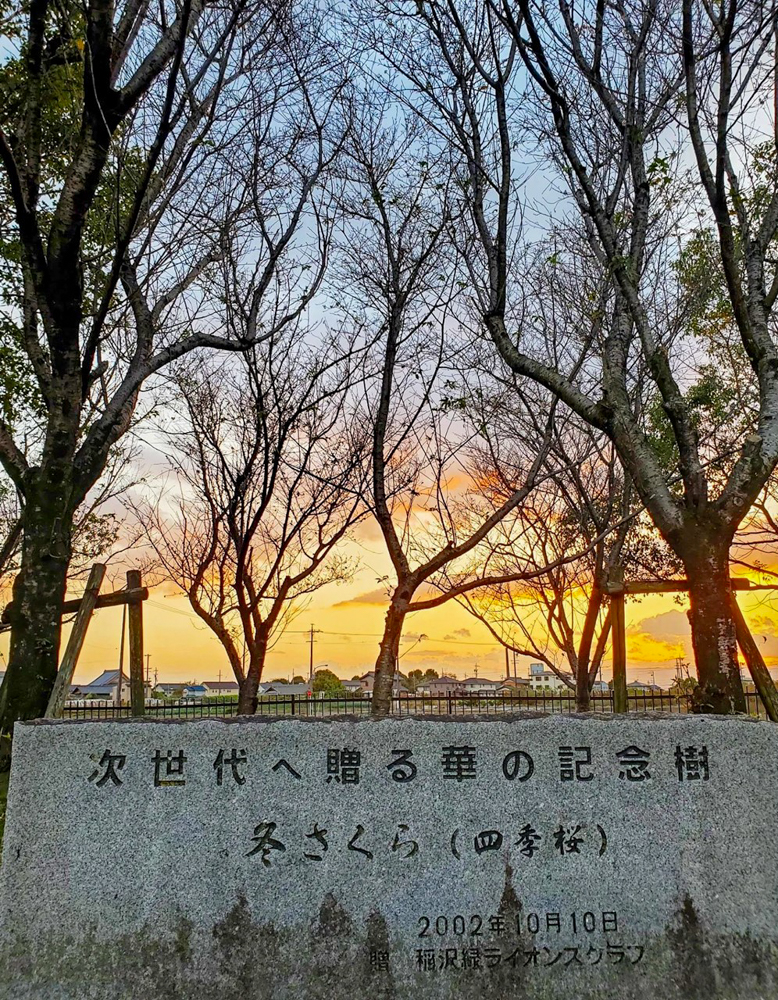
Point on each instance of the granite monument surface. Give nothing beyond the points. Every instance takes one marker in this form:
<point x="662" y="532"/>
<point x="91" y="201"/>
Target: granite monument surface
<point x="542" y="858"/>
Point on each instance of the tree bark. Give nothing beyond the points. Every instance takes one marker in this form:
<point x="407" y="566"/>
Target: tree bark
<point x="387" y="658"/>
<point x="38" y="596"/>
<point x="583" y="682"/>
<point x="248" y="696"/>
<point x="582" y="692"/>
<point x="719" y="688"/>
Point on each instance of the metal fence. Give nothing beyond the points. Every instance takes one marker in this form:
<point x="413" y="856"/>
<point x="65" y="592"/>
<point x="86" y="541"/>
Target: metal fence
<point x="449" y="704"/>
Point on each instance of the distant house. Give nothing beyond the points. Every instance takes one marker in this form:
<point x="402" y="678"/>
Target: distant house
<point x="283" y="690"/>
<point x="641" y="687"/>
<point x="165" y="690"/>
<point x="353" y="687"/>
<point x="547" y="680"/>
<point x="600" y="687"/>
<point x="367" y="681"/>
<point x="513" y="685"/>
<point x="194" y="691"/>
<point x="479" y="686"/>
<point x="439" y="686"/>
<point x="104" y="688"/>
<point x="221" y="687"/>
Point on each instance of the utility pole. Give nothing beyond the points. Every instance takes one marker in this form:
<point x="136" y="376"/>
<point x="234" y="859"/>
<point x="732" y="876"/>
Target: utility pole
<point x="148" y="671"/>
<point x="507" y="666"/>
<point x="313" y="631"/>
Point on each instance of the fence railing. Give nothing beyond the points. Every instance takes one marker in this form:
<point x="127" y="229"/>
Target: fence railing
<point x="448" y="704"/>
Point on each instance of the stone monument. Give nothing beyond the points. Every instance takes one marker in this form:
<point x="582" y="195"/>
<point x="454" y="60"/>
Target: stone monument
<point x="542" y="858"/>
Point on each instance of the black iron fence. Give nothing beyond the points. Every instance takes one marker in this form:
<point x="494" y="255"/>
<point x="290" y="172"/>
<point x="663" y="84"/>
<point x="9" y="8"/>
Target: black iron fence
<point x="449" y="704"/>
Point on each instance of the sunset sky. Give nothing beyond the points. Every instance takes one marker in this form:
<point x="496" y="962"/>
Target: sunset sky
<point x="350" y="617"/>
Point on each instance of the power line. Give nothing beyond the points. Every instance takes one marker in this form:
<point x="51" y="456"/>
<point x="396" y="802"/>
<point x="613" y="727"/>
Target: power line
<point x="306" y="632"/>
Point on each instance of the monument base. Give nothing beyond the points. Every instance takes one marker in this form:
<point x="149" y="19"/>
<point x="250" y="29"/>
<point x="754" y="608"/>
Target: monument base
<point x="541" y="858"/>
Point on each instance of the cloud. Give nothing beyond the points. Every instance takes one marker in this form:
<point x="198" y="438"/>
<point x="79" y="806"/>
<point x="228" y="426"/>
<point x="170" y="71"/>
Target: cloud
<point x="376" y="598"/>
<point x="658" y="638"/>
<point x="762" y="625"/>
<point x="670" y="626"/>
<point x="460" y="633"/>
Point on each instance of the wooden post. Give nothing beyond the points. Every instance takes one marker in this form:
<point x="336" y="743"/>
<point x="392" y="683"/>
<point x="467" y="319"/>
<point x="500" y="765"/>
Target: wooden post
<point x="67" y="668"/>
<point x="135" y="617"/>
<point x="120" y="682"/>
<point x="619" y="637"/>
<point x="755" y="662"/>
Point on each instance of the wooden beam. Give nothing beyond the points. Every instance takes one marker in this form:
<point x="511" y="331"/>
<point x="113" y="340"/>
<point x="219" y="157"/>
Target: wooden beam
<point x="676" y="586"/>
<point x="114" y="600"/>
<point x="75" y="643"/>
<point x="135" y="619"/>
<point x="619" y="637"/>
<point x="755" y="662"/>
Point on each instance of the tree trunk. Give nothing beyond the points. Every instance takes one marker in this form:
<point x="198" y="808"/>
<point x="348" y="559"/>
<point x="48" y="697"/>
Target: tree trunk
<point x="719" y="688"/>
<point x="387" y="658"/>
<point x="583" y="682"/>
<point x="38" y="596"/>
<point x="582" y="692"/>
<point x="248" y="693"/>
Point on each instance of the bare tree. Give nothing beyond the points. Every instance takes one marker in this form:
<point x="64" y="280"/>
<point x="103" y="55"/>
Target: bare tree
<point x="270" y="474"/>
<point x="561" y="615"/>
<point x="395" y="261"/>
<point x="127" y="210"/>
<point x="607" y="83"/>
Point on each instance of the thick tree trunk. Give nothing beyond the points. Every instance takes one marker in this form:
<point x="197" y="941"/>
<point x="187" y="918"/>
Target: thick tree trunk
<point x="582" y="691"/>
<point x="248" y="692"/>
<point x="38" y="595"/>
<point x="387" y="658"/>
<point x="719" y="688"/>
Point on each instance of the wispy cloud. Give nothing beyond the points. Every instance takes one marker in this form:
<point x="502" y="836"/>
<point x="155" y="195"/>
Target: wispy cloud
<point x="376" y="598"/>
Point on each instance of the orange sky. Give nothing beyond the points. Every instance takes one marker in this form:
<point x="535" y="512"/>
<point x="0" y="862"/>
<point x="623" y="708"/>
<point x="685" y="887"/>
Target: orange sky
<point x="350" y="617"/>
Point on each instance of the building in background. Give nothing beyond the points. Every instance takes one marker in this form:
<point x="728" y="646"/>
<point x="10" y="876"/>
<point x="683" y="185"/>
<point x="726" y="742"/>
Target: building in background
<point x="438" y="686"/>
<point x="221" y="687"/>
<point x="479" y="686"/>
<point x="284" y="690"/>
<point x="367" y="681"/>
<point x="643" y="687"/>
<point x="194" y="691"/>
<point x="168" y="690"/>
<point x="513" y="686"/>
<point x="104" y="688"/>
<point x="547" y="680"/>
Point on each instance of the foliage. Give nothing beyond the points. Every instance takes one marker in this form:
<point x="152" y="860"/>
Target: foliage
<point x="326" y="682"/>
<point x="418" y="677"/>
